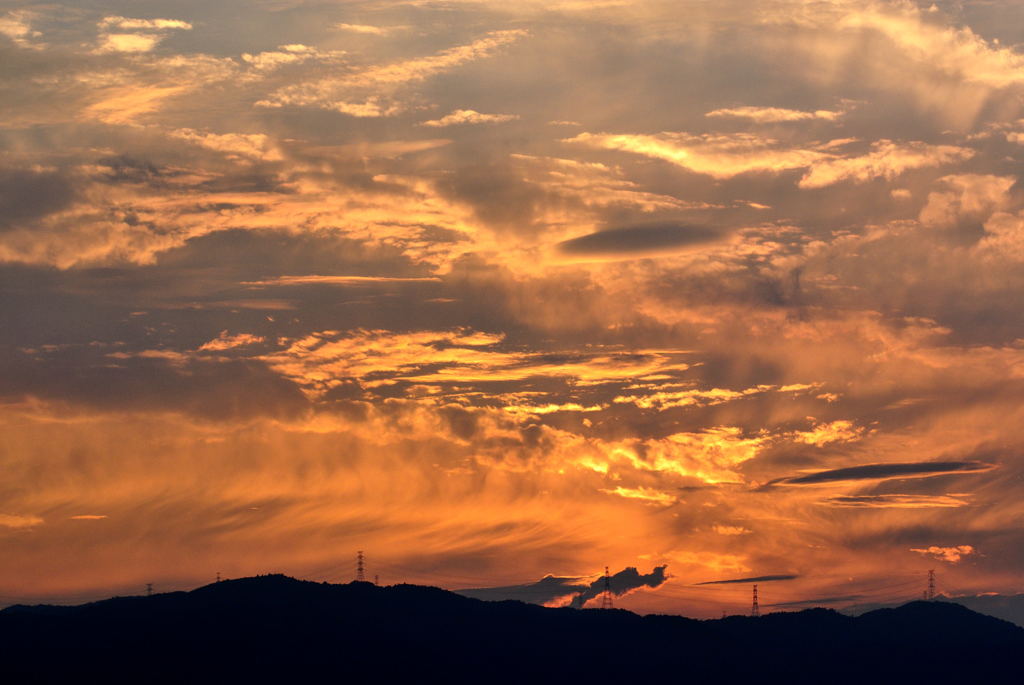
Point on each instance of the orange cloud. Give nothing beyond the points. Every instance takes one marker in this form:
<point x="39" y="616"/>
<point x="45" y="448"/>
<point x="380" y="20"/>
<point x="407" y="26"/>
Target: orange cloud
<point x="19" y="521"/>
<point x="129" y="24"/>
<point x="719" y="156"/>
<point x="725" y="156"/>
<point x="321" y="360"/>
<point x="224" y="341"/>
<point x="469" y="116"/>
<point x="366" y="29"/>
<point x="825" y="433"/>
<point x="340" y="280"/>
<point x="645" y="494"/>
<point x="770" y="115"/>
<point x="886" y="160"/>
<point x="951" y="555"/>
<point x="124" y="105"/>
<point x="959" y="52"/>
<point x="17" y="26"/>
<point x="595" y="185"/>
<point x="355" y="93"/>
<point x="293" y="53"/>
<point x="896" y="501"/>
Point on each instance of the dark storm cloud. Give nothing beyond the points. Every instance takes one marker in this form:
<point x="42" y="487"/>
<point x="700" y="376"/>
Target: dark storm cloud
<point x="186" y="291"/>
<point x="552" y="587"/>
<point x="126" y="169"/>
<point x="100" y="378"/>
<point x="755" y="579"/>
<point x="498" y="196"/>
<point x="622" y="582"/>
<point x="879" y="471"/>
<point x="26" y="195"/>
<point x="638" y="239"/>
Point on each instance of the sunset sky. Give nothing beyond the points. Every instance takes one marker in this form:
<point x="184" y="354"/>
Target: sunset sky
<point x="494" y="290"/>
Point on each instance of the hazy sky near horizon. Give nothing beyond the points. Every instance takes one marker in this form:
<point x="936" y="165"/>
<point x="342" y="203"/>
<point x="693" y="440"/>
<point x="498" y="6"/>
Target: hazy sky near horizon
<point x="496" y="290"/>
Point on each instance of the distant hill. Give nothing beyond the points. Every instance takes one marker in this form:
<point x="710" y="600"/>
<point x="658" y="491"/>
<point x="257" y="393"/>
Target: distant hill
<point x="274" y="629"/>
<point x="1007" y="607"/>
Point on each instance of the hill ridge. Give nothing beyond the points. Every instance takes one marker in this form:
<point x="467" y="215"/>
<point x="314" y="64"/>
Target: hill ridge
<point x="279" y="629"/>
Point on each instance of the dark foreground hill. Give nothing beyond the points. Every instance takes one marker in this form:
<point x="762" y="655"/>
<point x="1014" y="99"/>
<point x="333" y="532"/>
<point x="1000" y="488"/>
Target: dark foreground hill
<point x="274" y="629"/>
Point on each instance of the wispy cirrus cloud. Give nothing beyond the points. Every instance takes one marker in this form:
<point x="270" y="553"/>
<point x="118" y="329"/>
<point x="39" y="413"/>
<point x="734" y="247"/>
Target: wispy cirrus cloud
<point x="717" y="155"/>
<point x="19" y="521"/>
<point x="957" y="51"/>
<point x="130" y="24"/>
<point x="367" y="29"/>
<point x="896" y="501"/>
<point x="341" y="280"/>
<point x="469" y="116"/>
<point x="885" y="160"/>
<point x="125" y="34"/>
<point x="647" y="495"/>
<point x="323" y="359"/>
<point x="725" y="156"/>
<point x="372" y="90"/>
<point x="773" y="115"/>
<point x="226" y="341"/>
<point x="293" y="53"/>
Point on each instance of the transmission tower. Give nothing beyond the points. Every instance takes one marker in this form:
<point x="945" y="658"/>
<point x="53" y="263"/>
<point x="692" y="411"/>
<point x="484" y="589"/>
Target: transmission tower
<point x="755" y="608"/>
<point x="931" y="585"/>
<point x="218" y="576"/>
<point x="149" y="589"/>
<point x="606" y="596"/>
<point x="360" y="567"/>
<point x="376" y="579"/>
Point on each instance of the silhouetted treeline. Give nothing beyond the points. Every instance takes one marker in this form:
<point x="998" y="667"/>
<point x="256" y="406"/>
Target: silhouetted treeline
<point x="274" y="629"/>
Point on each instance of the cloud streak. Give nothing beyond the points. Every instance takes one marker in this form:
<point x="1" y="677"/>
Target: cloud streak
<point x="887" y="471"/>
<point x="773" y="115"/>
<point x="469" y="116"/>
<point x="638" y="240"/>
<point x="374" y="90"/>
<point x="726" y="156"/>
<point x="752" y="579"/>
<point x="896" y="501"/>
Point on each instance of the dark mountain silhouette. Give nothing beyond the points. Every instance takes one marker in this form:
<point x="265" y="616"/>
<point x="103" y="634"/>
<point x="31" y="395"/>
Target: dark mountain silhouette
<point x="1007" y="607"/>
<point x="274" y="629"/>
